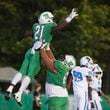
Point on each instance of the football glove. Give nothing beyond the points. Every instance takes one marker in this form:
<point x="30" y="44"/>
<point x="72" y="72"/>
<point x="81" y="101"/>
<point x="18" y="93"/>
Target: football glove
<point x="71" y="16"/>
<point x="37" y="45"/>
<point x="47" y="46"/>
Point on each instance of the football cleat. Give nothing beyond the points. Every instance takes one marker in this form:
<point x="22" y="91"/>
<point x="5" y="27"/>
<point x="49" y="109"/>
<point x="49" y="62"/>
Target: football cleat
<point x="8" y="95"/>
<point x="17" y="97"/>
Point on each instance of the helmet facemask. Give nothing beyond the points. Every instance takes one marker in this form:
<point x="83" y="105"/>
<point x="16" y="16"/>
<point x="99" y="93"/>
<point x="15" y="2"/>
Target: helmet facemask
<point x="99" y="75"/>
<point x="97" y="71"/>
<point x="69" y="61"/>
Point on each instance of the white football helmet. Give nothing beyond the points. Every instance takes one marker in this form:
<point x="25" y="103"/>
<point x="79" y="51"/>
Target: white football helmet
<point x="45" y="17"/>
<point x="86" y="61"/>
<point x="69" y="61"/>
<point x="97" y="70"/>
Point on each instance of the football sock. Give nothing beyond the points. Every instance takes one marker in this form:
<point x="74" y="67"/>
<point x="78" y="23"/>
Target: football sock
<point x="24" y="84"/>
<point x="16" y="78"/>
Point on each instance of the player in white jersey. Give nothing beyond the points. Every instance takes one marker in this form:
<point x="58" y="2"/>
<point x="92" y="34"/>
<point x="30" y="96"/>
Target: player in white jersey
<point x="95" y="88"/>
<point x="80" y="75"/>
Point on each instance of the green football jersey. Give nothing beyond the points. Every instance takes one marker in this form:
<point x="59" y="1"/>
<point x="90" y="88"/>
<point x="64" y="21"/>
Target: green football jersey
<point x="43" y="31"/>
<point x="60" y="77"/>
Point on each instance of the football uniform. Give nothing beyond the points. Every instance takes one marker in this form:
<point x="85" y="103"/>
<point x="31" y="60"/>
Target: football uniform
<point x="80" y="86"/>
<point x="42" y="36"/>
<point x="56" y="87"/>
<point x="32" y="61"/>
<point x="96" y="85"/>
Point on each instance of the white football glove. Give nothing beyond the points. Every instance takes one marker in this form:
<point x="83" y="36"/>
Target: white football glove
<point x="36" y="46"/>
<point x="71" y="16"/>
<point x="45" y="45"/>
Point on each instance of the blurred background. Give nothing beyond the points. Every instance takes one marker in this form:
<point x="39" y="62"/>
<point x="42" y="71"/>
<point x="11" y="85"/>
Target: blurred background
<point x="88" y="34"/>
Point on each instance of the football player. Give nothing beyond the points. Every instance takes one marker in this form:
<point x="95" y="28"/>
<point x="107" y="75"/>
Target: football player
<point x="95" y="89"/>
<point x="79" y="78"/>
<point x="42" y="31"/>
<point x="37" y="97"/>
<point x="57" y="72"/>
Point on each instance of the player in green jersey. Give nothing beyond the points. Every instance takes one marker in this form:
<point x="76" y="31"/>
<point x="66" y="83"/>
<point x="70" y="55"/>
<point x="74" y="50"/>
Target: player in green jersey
<point x="57" y="72"/>
<point x="43" y="30"/>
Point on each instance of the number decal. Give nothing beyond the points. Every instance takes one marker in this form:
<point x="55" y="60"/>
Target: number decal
<point x="77" y="75"/>
<point x="38" y="32"/>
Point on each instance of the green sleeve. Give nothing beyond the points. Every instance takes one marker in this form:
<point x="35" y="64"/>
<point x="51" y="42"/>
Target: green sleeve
<point x="60" y="66"/>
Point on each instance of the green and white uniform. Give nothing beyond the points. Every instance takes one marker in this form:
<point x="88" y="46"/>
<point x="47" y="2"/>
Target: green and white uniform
<point x="32" y="62"/>
<point x="56" y="87"/>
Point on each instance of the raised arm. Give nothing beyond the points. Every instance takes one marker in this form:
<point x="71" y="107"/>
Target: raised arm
<point x="63" y="24"/>
<point x="49" y="52"/>
<point x="48" y="60"/>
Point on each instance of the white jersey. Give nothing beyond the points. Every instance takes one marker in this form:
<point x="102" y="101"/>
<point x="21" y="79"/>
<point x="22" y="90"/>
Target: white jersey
<point x="55" y="91"/>
<point x="80" y="82"/>
<point x="96" y="83"/>
<point x="80" y="86"/>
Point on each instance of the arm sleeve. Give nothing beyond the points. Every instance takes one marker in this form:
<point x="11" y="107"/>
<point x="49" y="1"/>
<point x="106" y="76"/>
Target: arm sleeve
<point x="58" y="65"/>
<point x="59" y="27"/>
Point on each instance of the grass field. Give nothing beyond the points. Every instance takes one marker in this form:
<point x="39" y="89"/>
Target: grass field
<point x="28" y="100"/>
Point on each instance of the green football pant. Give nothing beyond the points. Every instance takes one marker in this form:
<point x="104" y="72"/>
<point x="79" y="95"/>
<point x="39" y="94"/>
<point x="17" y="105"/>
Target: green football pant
<point x="58" y="103"/>
<point x="31" y="64"/>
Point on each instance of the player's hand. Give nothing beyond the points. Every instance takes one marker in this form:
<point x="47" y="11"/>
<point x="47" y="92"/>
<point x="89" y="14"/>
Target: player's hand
<point x="37" y="45"/>
<point x="45" y="45"/>
<point x="73" y="13"/>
